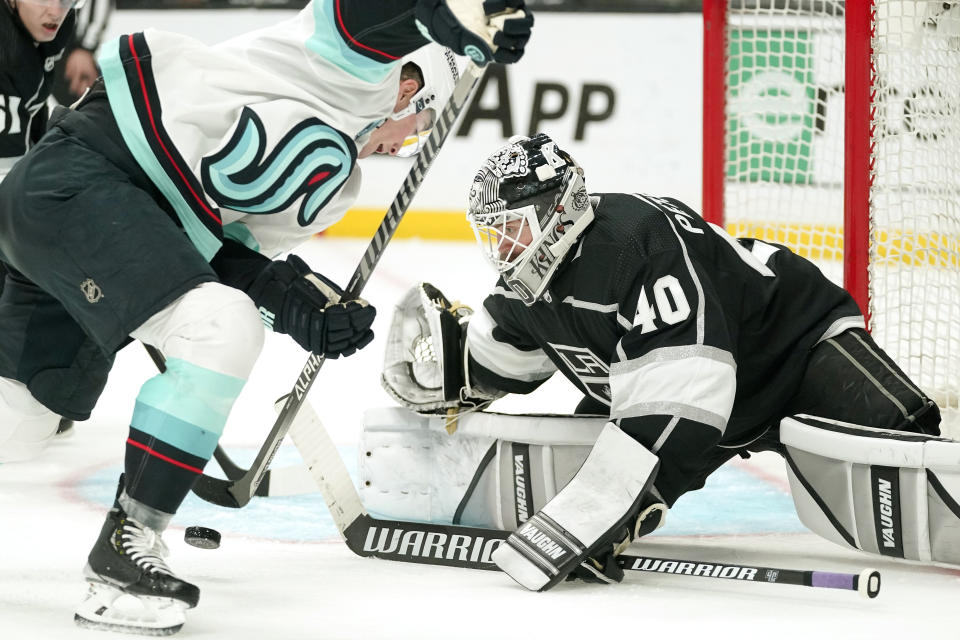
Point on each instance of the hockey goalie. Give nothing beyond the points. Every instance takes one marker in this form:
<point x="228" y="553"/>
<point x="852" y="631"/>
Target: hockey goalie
<point x="689" y="346"/>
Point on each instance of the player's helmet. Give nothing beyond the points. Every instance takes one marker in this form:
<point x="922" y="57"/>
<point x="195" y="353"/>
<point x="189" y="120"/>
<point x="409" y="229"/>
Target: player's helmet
<point x="439" y="68"/>
<point x="529" y="184"/>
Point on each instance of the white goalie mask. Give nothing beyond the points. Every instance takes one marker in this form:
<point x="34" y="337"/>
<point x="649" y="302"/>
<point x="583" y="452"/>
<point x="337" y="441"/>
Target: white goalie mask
<point x="440" y="71"/>
<point x="528" y="205"/>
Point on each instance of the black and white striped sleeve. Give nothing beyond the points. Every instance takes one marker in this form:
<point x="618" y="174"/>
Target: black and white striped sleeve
<point x="499" y="355"/>
<point x="673" y="375"/>
<point x="92" y="20"/>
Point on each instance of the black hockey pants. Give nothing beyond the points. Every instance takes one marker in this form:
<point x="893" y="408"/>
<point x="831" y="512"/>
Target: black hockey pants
<point x="93" y="254"/>
<point x="848" y="378"/>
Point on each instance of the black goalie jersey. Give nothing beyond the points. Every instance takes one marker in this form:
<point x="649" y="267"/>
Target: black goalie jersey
<point x="692" y="338"/>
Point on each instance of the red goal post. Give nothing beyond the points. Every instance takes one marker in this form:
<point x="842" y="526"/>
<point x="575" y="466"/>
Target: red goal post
<point x="834" y="128"/>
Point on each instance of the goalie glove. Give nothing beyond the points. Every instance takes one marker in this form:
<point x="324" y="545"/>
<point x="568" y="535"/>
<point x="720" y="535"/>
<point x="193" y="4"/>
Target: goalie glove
<point x="294" y="300"/>
<point x="491" y="31"/>
<point x="424" y="365"/>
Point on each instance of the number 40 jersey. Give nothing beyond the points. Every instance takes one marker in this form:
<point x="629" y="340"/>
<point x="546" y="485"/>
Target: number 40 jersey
<point x="692" y="338"/>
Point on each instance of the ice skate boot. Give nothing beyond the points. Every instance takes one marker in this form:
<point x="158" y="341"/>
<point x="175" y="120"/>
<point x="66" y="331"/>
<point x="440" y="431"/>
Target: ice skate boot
<point x="132" y="589"/>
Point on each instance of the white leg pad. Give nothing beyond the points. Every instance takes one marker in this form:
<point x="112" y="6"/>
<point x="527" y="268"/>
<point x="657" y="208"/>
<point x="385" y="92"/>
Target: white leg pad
<point x="495" y="470"/>
<point x="885" y="492"/>
<point x="26" y="426"/>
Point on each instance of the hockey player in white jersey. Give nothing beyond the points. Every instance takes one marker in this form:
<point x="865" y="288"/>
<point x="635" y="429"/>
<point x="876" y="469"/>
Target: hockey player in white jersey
<point x="155" y="209"/>
<point x="694" y="347"/>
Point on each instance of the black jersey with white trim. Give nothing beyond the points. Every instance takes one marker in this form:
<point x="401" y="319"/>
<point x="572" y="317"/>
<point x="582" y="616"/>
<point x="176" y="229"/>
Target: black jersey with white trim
<point x="692" y="338"/>
<point x="26" y="79"/>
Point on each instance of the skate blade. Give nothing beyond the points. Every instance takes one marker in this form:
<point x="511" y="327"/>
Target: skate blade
<point x="107" y="608"/>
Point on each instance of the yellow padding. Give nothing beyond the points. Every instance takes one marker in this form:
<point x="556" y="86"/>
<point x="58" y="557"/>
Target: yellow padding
<point x="421" y="223"/>
<point x="825" y="242"/>
<point x="812" y="241"/>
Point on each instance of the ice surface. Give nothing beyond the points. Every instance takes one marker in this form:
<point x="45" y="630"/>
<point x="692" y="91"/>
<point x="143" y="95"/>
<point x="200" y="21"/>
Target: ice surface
<point x="281" y="572"/>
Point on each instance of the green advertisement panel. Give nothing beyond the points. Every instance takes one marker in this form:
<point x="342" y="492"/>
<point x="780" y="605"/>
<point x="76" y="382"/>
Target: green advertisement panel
<point x="771" y="106"/>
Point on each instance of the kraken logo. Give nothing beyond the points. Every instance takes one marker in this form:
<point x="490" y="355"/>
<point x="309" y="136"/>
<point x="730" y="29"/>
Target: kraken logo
<point x="311" y="161"/>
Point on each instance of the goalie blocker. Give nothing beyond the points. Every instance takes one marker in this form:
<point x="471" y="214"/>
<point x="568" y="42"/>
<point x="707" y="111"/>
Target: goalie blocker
<point x="586" y="518"/>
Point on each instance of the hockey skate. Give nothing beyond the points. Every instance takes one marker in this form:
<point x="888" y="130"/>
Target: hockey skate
<point x="132" y="590"/>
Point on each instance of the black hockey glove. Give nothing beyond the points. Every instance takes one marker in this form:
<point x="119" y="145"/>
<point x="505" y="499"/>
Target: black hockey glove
<point x="602" y="566"/>
<point x="496" y="32"/>
<point x="306" y="306"/>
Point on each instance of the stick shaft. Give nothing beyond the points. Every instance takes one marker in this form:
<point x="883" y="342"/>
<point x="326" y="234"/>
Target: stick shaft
<point x="747" y="573"/>
<point x="238" y="492"/>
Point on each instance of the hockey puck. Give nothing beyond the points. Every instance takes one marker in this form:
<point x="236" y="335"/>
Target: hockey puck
<point x="202" y="537"/>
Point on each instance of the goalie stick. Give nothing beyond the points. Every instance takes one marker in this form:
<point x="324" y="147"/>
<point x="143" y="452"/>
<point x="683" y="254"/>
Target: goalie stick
<point x="458" y="546"/>
<point x="238" y="492"/>
<point x="470" y="547"/>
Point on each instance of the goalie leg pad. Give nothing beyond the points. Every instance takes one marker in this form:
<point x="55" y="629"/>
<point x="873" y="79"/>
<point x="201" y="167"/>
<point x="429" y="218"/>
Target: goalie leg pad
<point x="885" y="492"/>
<point x="495" y="471"/>
<point x="604" y="494"/>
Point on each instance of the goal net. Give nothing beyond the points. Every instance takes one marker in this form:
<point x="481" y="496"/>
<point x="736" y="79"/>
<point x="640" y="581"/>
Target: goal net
<point x="834" y="128"/>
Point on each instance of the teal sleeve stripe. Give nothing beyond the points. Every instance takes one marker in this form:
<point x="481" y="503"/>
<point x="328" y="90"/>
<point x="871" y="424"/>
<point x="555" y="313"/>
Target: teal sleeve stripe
<point x="121" y="103"/>
<point x="327" y="43"/>
<point x="192" y="400"/>
<point x="239" y="232"/>
<point x="173" y="431"/>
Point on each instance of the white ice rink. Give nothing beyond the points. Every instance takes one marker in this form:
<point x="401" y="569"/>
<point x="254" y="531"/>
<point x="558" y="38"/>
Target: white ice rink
<point x="281" y="571"/>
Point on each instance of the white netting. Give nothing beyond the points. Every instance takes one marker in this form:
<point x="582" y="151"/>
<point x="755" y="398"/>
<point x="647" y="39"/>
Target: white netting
<point x="785" y="162"/>
<point x="915" y="197"/>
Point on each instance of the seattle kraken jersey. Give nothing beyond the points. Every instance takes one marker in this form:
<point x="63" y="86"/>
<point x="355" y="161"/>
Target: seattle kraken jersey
<point x="260" y="133"/>
<point x="693" y="339"/>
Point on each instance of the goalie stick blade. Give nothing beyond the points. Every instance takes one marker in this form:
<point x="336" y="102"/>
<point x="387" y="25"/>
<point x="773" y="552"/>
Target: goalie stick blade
<point x="471" y="548"/>
<point x="424" y="543"/>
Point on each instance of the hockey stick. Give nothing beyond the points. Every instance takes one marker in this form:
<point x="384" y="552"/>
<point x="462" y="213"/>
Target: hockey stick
<point x="470" y="547"/>
<point x="866" y="583"/>
<point x="236" y="493"/>
<point x="284" y="481"/>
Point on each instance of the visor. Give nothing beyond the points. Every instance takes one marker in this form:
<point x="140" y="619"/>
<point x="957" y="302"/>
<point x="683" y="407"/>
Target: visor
<point x="413" y="143"/>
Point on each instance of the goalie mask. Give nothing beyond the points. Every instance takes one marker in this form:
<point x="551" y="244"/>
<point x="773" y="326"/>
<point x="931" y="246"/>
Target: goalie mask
<point x="528" y="205"/>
